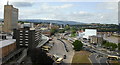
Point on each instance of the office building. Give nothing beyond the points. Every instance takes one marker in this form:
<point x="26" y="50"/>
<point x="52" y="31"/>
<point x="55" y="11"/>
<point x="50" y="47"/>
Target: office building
<point x="27" y="37"/>
<point x="10" y="18"/>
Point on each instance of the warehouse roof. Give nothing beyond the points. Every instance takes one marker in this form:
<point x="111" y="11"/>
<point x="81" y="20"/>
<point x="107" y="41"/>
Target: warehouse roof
<point x="7" y="42"/>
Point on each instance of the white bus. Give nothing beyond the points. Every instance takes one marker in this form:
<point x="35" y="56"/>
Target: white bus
<point x="59" y="60"/>
<point x="112" y="57"/>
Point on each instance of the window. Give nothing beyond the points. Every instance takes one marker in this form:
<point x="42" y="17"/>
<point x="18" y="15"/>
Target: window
<point x="21" y="34"/>
<point x="26" y="39"/>
<point x="20" y="41"/>
<point x="21" y="31"/>
<point x="26" y="34"/>
<point x="26" y="42"/>
<point x="21" y="44"/>
<point x="26" y="31"/>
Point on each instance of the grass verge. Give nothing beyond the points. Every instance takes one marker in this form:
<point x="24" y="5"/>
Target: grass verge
<point x="81" y="58"/>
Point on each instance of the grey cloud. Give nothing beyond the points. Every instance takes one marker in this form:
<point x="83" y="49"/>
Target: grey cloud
<point x="22" y="4"/>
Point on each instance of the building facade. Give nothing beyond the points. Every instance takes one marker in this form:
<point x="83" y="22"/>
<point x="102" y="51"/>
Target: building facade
<point x="10" y="18"/>
<point x="89" y="32"/>
<point x="96" y="40"/>
<point x="7" y="46"/>
<point x="27" y="37"/>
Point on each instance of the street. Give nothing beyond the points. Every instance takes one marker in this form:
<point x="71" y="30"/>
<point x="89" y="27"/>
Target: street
<point x="94" y="59"/>
<point x="59" y="49"/>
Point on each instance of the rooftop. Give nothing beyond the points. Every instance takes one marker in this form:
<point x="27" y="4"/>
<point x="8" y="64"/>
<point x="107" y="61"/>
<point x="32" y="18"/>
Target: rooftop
<point x="7" y="42"/>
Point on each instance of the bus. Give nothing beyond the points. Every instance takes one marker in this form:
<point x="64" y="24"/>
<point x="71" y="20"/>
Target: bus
<point x="59" y="60"/>
<point x="112" y="57"/>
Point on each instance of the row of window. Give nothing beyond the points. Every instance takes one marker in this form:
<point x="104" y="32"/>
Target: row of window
<point x="22" y="34"/>
<point x="22" y="42"/>
<point x="25" y="36"/>
<point x="25" y="39"/>
<point x="25" y="44"/>
<point x="25" y="31"/>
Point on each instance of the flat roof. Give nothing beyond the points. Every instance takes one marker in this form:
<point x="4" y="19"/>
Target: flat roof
<point x="4" y="43"/>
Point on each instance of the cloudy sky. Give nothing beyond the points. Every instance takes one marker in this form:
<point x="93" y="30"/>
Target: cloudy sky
<point x="89" y="11"/>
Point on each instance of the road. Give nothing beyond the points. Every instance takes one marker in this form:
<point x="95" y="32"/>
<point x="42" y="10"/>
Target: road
<point x="98" y="60"/>
<point x="59" y="49"/>
<point x="94" y="57"/>
<point x="112" y="39"/>
<point x="103" y="61"/>
<point x="94" y="60"/>
<point x="70" y="52"/>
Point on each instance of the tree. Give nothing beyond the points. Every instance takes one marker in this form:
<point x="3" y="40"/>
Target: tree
<point x="114" y="46"/>
<point x="61" y="31"/>
<point x="67" y="27"/>
<point x="53" y="31"/>
<point x="73" y="30"/>
<point x="39" y="57"/>
<point x="104" y="42"/>
<point x="107" y="44"/>
<point x="110" y="45"/>
<point x="77" y="45"/>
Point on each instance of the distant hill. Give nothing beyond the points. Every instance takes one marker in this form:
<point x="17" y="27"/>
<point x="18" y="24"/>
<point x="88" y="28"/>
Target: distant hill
<point x="52" y="21"/>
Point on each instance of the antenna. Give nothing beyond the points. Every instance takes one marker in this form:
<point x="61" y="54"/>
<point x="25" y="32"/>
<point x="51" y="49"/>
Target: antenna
<point x="7" y="2"/>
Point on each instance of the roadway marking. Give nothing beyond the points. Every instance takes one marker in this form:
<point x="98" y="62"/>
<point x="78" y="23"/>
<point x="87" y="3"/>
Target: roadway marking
<point x="96" y="59"/>
<point x="90" y="59"/>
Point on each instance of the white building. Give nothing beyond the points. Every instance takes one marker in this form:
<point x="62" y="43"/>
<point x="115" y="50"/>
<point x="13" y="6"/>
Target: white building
<point x="89" y="32"/>
<point x="81" y="34"/>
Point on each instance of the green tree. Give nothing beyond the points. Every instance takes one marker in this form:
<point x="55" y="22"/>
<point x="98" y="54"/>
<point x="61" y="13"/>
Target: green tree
<point x="53" y="31"/>
<point x="110" y="45"/>
<point x="67" y="27"/>
<point x="107" y="44"/>
<point x="114" y="46"/>
<point x="104" y="42"/>
<point x="77" y="45"/>
<point x="61" y="31"/>
<point x="73" y="30"/>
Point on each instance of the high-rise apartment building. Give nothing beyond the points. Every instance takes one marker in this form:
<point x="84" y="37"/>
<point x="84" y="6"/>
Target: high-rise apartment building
<point x="10" y="18"/>
<point x="27" y="37"/>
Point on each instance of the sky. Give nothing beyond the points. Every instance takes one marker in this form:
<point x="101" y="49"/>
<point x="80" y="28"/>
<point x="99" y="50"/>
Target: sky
<point x="85" y="11"/>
